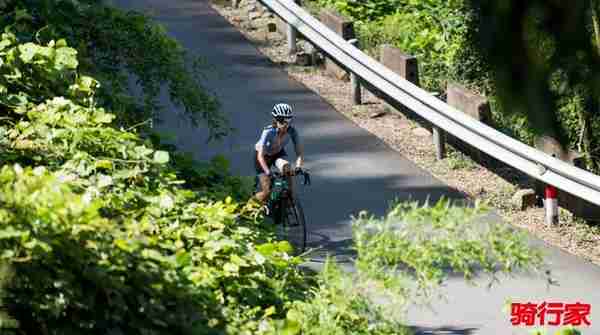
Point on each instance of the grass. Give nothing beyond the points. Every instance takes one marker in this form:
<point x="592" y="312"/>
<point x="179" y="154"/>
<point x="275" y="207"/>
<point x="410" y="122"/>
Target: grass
<point x="457" y="160"/>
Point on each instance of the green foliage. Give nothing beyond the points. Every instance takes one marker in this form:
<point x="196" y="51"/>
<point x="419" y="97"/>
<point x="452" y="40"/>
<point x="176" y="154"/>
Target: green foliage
<point x="564" y="331"/>
<point x="410" y="251"/>
<point x="204" y="175"/>
<point x="32" y="73"/>
<point x="6" y="275"/>
<point x="168" y="263"/>
<point x="338" y="306"/>
<point x="457" y="160"/>
<point x="514" y="125"/>
<point x="101" y="232"/>
<point x="416" y="28"/>
<point x="363" y="10"/>
<point x="554" y="87"/>
<point x="431" y="242"/>
<point x="117" y="48"/>
<point x="452" y="42"/>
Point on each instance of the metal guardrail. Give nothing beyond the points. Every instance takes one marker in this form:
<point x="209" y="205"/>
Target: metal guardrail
<point x="531" y="161"/>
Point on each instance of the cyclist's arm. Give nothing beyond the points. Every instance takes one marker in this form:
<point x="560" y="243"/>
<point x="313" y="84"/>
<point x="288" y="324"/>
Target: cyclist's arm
<point x="263" y="163"/>
<point x="298" y="147"/>
<point x="299" y="154"/>
<point x="260" y="149"/>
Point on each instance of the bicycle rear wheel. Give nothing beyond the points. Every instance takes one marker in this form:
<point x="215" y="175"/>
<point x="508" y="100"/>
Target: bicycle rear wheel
<point x="292" y="225"/>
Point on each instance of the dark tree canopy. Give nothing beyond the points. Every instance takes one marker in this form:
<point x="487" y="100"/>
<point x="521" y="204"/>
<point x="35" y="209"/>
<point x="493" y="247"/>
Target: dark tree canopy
<point x="528" y="44"/>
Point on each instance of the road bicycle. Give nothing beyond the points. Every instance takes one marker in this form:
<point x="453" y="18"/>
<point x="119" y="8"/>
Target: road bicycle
<point x="286" y="211"/>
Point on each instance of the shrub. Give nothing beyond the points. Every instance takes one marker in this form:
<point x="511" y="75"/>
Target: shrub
<point x="118" y="48"/>
<point x="102" y="235"/>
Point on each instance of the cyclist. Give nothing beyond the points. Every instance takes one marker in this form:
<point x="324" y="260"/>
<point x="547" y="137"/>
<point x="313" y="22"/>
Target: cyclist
<point x="270" y="150"/>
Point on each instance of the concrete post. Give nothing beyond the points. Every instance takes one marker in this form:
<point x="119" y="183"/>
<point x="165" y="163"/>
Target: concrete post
<point x="402" y="64"/>
<point x="345" y="29"/>
<point x="355" y="81"/>
<point x="472" y="104"/>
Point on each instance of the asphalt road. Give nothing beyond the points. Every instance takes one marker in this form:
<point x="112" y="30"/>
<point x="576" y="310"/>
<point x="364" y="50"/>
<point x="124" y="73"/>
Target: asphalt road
<point x="352" y="170"/>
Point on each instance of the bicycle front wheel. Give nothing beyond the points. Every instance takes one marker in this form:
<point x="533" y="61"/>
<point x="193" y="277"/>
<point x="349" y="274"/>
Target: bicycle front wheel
<point x="292" y="225"/>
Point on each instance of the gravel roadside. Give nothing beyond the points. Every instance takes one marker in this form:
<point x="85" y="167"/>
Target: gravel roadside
<point x="414" y="142"/>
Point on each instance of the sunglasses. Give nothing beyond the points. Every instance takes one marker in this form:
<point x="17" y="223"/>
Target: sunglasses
<point x="283" y="121"/>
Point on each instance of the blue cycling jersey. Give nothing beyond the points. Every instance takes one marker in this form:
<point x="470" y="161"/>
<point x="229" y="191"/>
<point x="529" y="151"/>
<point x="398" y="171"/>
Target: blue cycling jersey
<point x="270" y="142"/>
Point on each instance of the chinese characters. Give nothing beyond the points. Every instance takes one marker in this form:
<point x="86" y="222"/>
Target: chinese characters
<point x="550" y="313"/>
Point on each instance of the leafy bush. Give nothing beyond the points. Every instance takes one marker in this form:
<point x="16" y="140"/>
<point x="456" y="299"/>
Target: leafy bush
<point x="415" y="27"/>
<point x="338" y="305"/>
<point x="428" y="242"/>
<point x="402" y="258"/>
<point x="116" y="48"/>
<point x="363" y="10"/>
<point x="171" y="264"/>
<point x="100" y="232"/>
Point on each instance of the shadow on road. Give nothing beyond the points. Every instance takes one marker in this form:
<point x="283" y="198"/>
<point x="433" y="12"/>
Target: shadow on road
<point x="446" y="330"/>
<point x="321" y="247"/>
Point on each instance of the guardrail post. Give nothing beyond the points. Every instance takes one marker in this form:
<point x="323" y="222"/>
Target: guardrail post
<point x="288" y="31"/>
<point x="291" y="39"/>
<point x="577" y="206"/>
<point x="355" y="80"/>
<point x="551" y="205"/>
<point x="552" y="147"/>
<point x="439" y="141"/>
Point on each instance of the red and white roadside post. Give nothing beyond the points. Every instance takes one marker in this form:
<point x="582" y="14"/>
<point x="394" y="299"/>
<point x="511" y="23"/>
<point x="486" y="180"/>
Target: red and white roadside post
<point x="551" y="204"/>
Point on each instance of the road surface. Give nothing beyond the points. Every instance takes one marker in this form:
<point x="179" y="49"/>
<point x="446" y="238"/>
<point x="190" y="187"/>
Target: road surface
<point x="351" y="169"/>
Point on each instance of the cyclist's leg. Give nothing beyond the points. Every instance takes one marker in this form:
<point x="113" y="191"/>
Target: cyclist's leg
<point x="263" y="180"/>
<point x="265" y="188"/>
<point x="285" y="168"/>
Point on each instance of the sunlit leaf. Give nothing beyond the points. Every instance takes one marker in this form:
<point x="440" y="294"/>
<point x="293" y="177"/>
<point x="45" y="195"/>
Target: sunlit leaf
<point x="161" y="157"/>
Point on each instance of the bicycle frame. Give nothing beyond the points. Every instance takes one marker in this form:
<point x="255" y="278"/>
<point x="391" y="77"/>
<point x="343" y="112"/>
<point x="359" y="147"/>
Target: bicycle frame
<point x="281" y="205"/>
<point x="280" y="186"/>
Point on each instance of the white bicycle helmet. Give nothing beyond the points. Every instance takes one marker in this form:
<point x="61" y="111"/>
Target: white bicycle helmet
<point x="282" y="111"/>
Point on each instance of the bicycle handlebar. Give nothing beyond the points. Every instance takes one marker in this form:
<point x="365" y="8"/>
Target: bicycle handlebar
<point x="295" y="172"/>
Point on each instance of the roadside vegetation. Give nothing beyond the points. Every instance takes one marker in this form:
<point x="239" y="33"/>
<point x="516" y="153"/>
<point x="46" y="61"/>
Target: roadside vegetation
<point x="104" y="229"/>
<point x="548" y="90"/>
